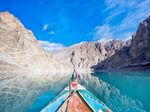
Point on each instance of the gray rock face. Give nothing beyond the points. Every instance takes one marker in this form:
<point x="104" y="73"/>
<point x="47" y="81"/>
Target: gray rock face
<point x="140" y="46"/>
<point x="20" y="45"/>
<point x="83" y="55"/>
<point x="113" y="46"/>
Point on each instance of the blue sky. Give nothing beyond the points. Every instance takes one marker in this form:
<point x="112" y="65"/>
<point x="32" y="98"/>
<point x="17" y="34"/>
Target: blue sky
<point x="61" y="23"/>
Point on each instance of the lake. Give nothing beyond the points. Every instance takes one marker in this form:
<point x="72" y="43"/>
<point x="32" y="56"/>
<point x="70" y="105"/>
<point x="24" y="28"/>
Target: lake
<point x="120" y="91"/>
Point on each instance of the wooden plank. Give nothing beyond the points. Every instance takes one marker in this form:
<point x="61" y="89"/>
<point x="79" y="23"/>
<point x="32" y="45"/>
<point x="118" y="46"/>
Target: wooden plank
<point x="76" y="104"/>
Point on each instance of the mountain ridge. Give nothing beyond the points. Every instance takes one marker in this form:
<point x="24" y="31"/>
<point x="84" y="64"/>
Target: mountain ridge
<point x="21" y="46"/>
<point x="110" y="47"/>
<point x="119" y="54"/>
<point x="82" y="55"/>
<point x="24" y="51"/>
<point x="134" y="57"/>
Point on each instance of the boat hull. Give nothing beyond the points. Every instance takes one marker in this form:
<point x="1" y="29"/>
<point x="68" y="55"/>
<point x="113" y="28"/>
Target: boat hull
<point x="79" y="99"/>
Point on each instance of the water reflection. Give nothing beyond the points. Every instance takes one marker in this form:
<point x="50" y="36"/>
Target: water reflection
<point x="19" y="95"/>
<point x="110" y="95"/>
<point x="132" y="84"/>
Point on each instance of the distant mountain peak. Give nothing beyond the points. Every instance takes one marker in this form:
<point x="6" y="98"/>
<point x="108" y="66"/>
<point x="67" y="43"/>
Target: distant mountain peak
<point x="107" y="41"/>
<point x="128" y="38"/>
<point x="104" y="40"/>
<point x="127" y="41"/>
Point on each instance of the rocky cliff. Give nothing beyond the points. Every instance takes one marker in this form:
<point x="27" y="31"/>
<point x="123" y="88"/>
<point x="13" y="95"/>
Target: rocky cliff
<point x="113" y="46"/>
<point x="140" y="46"/>
<point x="137" y="56"/>
<point x="87" y="54"/>
<point x="20" y="45"/>
<point x="82" y="55"/>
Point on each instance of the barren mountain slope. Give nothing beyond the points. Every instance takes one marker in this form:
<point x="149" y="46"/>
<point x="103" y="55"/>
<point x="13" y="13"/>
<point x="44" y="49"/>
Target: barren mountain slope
<point x="21" y="45"/>
<point x="82" y="55"/>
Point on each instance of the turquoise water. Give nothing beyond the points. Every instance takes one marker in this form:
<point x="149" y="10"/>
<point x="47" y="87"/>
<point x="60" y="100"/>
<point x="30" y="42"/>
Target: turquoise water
<point x="134" y="85"/>
<point x="120" y="91"/>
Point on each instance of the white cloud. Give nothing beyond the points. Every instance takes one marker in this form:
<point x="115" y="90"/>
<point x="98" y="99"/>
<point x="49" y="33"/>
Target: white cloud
<point x="134" y="18"/>
<point x="137" y="11"/>
<point x="111" y="3"/>
<point x="101" y="32"/>
<point x="51" y="32"/>
<point x="45" y="27"/>
<point x="51" y="47"/>
<point x="120" y="4"/>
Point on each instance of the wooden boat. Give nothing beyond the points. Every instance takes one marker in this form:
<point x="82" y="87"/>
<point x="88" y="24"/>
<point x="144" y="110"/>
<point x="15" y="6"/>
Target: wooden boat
<point x="76" y="98"/>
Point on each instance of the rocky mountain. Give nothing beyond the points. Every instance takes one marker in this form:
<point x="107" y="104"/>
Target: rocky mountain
<point x="82" y="55"/>
<point x="7" y="64"/>
<point x="20" y="49"/>
<point x="137" y="56"/>
<point x="20" y="45"/>
<point x="9" y="69"/>
<point x="85" y="55"/>
<point x="140" y="46"/>
<point x="127" y="41"/>
<point x="113" y="46"/>
<point x="105" y="40"/>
